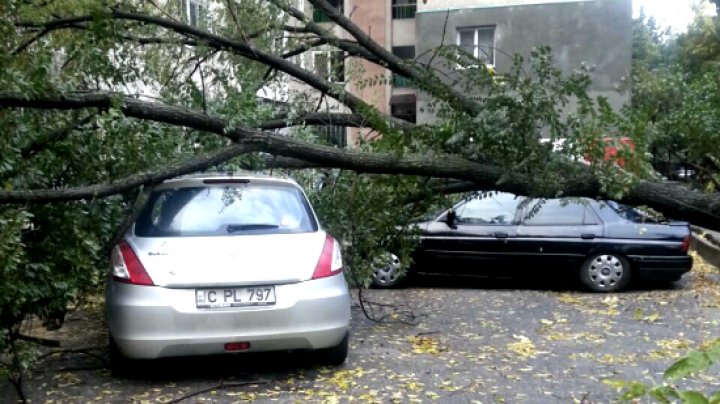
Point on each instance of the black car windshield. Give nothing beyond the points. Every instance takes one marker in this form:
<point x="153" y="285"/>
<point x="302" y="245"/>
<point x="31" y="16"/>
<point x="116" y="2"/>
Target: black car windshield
<point x="228" y="210"/>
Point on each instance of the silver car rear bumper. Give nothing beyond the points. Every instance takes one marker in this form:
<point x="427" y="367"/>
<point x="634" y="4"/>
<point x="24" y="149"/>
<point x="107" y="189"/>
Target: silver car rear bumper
<point x="148" y="322"/>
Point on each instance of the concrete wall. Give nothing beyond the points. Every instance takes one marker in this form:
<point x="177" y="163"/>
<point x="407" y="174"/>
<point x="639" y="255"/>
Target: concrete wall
<point x="598" y="33"/>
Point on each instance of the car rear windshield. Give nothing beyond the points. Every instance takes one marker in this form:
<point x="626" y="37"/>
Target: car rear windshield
<point x="225" y="210"/>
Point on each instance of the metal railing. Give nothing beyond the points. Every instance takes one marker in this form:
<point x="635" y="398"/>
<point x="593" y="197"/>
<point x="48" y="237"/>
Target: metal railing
<point x="401" y="81"/>
<point x="404" y="11"/>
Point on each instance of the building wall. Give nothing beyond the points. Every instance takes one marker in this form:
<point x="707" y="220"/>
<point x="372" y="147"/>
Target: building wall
<point x="598" y="33"/>
<point x="445" y="4"/>
<point x="371" y="16"/>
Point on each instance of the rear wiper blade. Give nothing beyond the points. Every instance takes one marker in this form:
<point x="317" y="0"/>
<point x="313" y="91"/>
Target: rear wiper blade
<point x="231" y="228"/>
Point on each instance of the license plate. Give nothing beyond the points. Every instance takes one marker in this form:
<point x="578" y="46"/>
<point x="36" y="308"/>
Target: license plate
<point x="235" y="297"/>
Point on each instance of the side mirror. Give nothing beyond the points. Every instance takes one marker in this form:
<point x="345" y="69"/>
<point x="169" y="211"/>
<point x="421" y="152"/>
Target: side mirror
<point x="450" y="218"/>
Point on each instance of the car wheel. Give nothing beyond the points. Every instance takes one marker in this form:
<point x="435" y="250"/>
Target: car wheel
<point x="336" y="355"/>
<point x="388" y="275"/>
<point x="120" y="366"/>
<point x="605" y="273"/>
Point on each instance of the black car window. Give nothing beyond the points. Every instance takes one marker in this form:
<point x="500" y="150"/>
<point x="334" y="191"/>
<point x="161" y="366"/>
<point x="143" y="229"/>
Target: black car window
<point x="557" y="212"/>
<point x="634" y="214"/>
<point x="496" y="209"/>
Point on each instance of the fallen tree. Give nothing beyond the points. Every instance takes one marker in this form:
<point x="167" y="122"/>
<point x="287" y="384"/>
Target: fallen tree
<point x="102" y="100"/>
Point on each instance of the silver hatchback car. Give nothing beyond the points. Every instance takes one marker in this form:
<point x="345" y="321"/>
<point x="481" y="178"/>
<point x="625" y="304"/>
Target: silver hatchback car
<point x="226" y="264"/>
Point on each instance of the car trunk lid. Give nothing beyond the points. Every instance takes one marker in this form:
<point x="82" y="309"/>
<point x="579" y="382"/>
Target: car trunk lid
<point x="225" y="261"/>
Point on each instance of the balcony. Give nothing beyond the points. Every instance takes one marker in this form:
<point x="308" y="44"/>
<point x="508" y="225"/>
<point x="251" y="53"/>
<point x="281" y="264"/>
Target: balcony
<point x="401" y="81"/>
<point x="404" y="11"/>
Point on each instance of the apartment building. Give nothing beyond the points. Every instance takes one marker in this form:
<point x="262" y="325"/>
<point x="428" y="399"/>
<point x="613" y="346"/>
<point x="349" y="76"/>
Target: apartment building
<point x="594" y="32"/>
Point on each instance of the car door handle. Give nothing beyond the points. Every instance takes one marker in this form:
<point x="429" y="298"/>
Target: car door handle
<point x="501" y="235"/>
<point x="588" y="236"/>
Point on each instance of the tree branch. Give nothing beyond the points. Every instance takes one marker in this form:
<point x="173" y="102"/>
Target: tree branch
<point x="238" y="47"/>
<point x="673" y="201"/>
<point x="130" y="218"/>
<point x="29" y="42"/>
<point x="55" y="136"/>
<point x="103" y="190"/>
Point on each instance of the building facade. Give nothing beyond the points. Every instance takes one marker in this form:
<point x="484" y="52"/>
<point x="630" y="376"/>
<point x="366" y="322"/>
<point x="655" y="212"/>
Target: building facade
<point x="597" y="33"/>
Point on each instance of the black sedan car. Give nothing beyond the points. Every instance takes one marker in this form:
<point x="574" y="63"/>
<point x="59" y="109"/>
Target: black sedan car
<point x="605" y="244"/>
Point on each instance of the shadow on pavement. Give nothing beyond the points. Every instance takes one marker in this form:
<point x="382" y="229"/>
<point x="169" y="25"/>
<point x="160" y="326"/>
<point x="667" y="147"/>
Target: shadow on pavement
<point x="253" y="366"/>
<point x="557" y="283"/>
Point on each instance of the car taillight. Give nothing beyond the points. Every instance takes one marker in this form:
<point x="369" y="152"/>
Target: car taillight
<point x="330" y="262"/>
<point x="127" y="268"/>
<point x="686" y="244"/>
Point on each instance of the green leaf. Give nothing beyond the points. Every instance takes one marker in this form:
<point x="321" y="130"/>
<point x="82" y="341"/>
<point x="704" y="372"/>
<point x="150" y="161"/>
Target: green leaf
<point x="693" y="397"/>
<point x="652" y="318"/>
<point x="635" y="390"/>
<point x="695" y="361"/>
<point x="714" y="351"/>
<point x="662" y="393"/>
<point x="715" y="399"/>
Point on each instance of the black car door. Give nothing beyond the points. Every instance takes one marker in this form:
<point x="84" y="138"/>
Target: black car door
<point x="435" y="246"/>
<point x="556" y="234"/>
<point x="484" y="234"/>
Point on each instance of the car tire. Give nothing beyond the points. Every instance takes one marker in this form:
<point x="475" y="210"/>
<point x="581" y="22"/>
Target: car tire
<point x="336" y="355"/>
<point x="120" y="366"/>
<point x="389" y="276"/>
<point x="606" y="273"/>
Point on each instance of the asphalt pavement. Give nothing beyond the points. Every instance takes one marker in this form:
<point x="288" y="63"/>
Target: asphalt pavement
<point x="444" y="340"/>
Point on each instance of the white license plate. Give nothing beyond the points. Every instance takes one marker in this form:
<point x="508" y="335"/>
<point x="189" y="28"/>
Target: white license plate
<point x="235" y="297"/>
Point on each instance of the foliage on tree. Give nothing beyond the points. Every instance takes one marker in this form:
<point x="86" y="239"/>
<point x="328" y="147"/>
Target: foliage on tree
<point x="674" y="96"/>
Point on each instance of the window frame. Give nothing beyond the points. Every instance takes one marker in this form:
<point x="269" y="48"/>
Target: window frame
<point x="146" y="230"/>
<point x="328" y="130"/>
<point x="186" y="6"/>
<point x="476" y="53"/>
<point x="408" y="4"/>
<point x="330" y="77"/>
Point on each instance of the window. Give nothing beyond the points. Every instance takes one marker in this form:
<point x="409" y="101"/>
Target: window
<point x="558" y="213"/>
<point x="194" y="12"/>
<point x="405" y="53"/>
<point x="634" y="214"/>
<point x="478" y="42"/>
<point x="320" y="16"/>
<point x="334" y="135"/>
<point x="223" y="211"/>
<point x="403" y="9"/>
<point x="496" y="209"/>
<point x="330" y="65"/>
<point x="406" y="112"/>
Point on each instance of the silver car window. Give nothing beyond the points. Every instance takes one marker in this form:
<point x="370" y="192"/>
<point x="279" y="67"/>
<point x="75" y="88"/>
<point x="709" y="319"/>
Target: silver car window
<point x="227" y="210"/>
